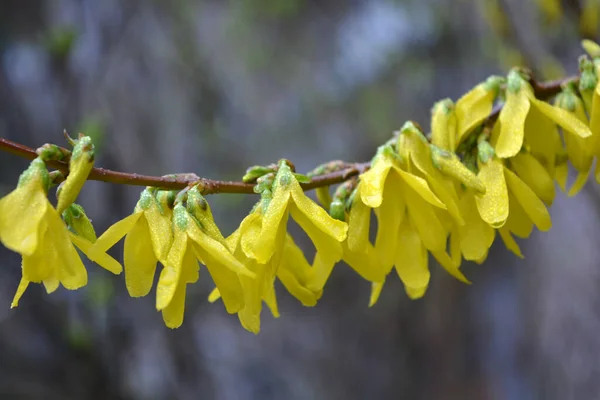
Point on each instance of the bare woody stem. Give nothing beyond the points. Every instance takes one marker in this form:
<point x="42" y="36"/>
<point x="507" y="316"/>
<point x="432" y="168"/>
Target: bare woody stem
<point x="542" y="90"/>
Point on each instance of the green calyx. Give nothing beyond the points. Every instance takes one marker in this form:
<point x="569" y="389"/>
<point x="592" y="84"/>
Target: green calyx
<point x="485" y="151"/>
<point x="146" y="199"/>
<point x="567" y="100"/>
<point x="180" y="217"/>
<point x="36" y="170"/>
<point x="78" y="222"/>
<point x="493" y="83"/>
<point x="83" y="147"/>
<point x="515" y="81"/>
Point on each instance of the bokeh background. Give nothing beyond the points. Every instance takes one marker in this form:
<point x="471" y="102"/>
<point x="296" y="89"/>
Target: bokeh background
<point x="214" y="86"/>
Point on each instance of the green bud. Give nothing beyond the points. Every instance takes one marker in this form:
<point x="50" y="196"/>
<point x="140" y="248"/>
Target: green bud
<point x="256" y="171"/>
<point x="264" y="182"/>
<point x="328" y="167"/>
<point x="340" y="202"/>
<point x="52" y="152"/>
<point x="485" y="151"/>
<point x="337" y="210"/>
<point x="78" y="222"/>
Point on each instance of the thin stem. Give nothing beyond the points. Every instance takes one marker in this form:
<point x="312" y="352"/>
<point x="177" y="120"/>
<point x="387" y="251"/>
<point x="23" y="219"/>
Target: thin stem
<point x="209" y="186"/>
<point x="542" y="90"/>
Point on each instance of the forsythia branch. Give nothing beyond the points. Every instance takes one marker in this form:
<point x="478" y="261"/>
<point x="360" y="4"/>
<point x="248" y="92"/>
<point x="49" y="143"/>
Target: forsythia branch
<point x="209" y="186"/>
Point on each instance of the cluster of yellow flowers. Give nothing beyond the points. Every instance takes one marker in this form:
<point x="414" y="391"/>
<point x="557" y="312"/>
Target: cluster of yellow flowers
<point x="446" y="193"/>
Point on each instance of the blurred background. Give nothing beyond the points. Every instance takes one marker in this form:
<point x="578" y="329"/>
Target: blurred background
<point x="214" y="86"/>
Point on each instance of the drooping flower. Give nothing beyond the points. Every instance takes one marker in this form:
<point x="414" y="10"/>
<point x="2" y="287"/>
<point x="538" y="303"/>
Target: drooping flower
<point x="287" y="264"/>
<point x="519" y="100"/>
<point x="289" y="199"/>
<point x="191" y="244"/>
<point x="579" y="150"/>
<point x="148" y="238"/>
<point x="403" y="201"/>
<point x="43" y="239"/>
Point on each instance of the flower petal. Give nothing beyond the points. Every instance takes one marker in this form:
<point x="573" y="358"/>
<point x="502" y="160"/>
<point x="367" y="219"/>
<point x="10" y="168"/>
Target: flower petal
<point x="493" y="205"/>
<point x="359" y="221"/>
<point x="533" y="173"/>
<point x="100" y="258"/>
<point x="512" y="121"/>
<point x="373" y="182"/>
<point x="140" y="262"/>
<point x="224" y="278"/>
<point x="411" y="258"/>
<point x="116" y="232"/>
<point x="21" y="213"/>
<point x="71" y="271"/>
<point x="170" y="275"/>
<point x="317" y="215"/>
<point x="476" y="236"/>
<point x="533" y="206"/>
<point x="389" y="217"/>
<point x="563" y="118"/>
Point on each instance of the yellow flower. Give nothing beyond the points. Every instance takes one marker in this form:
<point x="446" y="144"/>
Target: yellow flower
<point x="512" y="119"/>
<point x="404" y="201"/>
<point x="80" y="165"/>
<point x="148" y="237"/>
<point x="289" y="199"/>
<point x="191" y="244"/>
<point x="47" y="246"/>
<point x="288" y="264"/>
<point x="509" y="205"/>
<point x="475" y="106"/>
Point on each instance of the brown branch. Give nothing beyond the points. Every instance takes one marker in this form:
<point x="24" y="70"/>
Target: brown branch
<point x="209" y="186"/>
<point x="542" y="90"/>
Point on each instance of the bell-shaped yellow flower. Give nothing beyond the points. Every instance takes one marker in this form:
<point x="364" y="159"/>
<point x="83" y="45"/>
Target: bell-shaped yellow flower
<point x="47" y="245"/>
<point x="289" y="199"/>
<point x="80" y="165"/>
<point x="191" y="244"/>
<point x="148" y="238"/>
<point x="519" y="100"/>
<point x="398" y="198"/>
<point x="258" y="289"/>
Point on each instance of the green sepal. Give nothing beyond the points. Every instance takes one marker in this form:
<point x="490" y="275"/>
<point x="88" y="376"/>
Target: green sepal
<point x="78" y="222"/>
